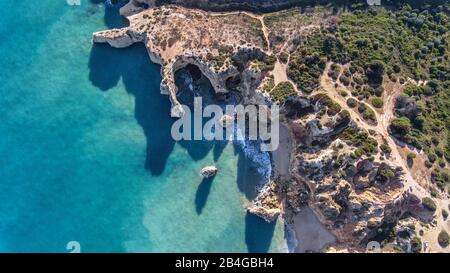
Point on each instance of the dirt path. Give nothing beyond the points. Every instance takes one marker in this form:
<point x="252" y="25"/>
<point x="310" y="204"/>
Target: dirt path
<point x="381" y="128"/>
<point x="384" y="117"/>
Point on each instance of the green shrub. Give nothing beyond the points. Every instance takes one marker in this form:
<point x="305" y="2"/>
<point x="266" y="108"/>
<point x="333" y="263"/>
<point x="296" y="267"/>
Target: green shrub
<point x="411" y="156"/>
<point x="429" y="204"/>
<point x="444" y="214"/>
<point x="377" y="102"/>
<point x="283" y="57"/>
<point x="416" y="245"/>
<point x="282" y="91"/>
<point x="443" y="239"/>
<point x="400" y="126"/>
<point x="432" y="158"/>
<point x="344" y="80"/>
<point x="352" y="103"/>
<point x="385" y="148"/>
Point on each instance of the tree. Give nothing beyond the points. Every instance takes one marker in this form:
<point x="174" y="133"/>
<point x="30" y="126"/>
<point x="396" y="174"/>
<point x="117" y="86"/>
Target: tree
<point x="400" y="126"/>
<point x="429" y="204"/>
<point x="443" y="239"/>
<point x="375" y="72"/>
<point x="377" y="102"/>
<point x="416" y="245"/>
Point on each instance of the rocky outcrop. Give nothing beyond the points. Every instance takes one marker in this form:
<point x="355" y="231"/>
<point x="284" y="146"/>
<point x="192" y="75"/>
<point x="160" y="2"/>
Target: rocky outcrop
<point x="406" y="106"/>
<point x="268" y="204"/>
<point x="209" y="171"/>
<point x="353" y="192"/>
<point x="176" y="37"/>
<point x="356" y="198"/>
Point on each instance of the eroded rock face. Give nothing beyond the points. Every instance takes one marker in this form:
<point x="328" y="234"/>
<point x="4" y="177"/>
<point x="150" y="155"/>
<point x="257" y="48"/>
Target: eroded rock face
<point x="222" y="47"/>
<point x="406" y="106"/>
<point x="353" y="197"/>
<point x="268" y="203"/>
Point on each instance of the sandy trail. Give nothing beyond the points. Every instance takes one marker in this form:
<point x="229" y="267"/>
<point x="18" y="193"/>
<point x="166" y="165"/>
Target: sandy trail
<point x="381" y="128"/>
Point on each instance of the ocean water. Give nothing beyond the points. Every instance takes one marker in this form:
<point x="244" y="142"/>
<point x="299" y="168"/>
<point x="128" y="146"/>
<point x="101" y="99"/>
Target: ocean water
<point x="86" y="153"/>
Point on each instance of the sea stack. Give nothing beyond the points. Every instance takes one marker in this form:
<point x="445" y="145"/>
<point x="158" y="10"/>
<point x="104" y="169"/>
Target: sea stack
<point x="209" y="171"/>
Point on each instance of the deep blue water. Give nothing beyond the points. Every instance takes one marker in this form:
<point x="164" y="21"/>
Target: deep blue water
<point x="86" y="153"/>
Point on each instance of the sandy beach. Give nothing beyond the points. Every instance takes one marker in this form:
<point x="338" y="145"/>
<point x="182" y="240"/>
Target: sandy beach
<point x="281" y="156"/>
<point x="310" y="233"/>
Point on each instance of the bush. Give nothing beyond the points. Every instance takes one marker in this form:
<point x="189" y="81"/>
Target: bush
<point x="284" y="57"/>
<point x="416" y="245"/>
<point x="432" y="158"/>
<point x="377" y="102"/>
<point x="344" y="80"/>
<point x="385" y="148"/>
<point x="400" y="126"/>
<point x="444" y="214"/>
<point x="352" y="103"/>
<point x="428" y="164"/>
<point x="443" y="239"/>
<point x="282" y="91"/>
<point x="429" y="204"/>
<point x="411" y="156"/>
<point x="375" y="72"/>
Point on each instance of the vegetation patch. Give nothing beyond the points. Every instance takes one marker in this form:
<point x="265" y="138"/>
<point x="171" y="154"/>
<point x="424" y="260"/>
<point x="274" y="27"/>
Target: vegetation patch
<point x="429" y="204"/>
<point x="443" y="239"/>
<point x="282" y="91"/>
<point x="361" y="140"/>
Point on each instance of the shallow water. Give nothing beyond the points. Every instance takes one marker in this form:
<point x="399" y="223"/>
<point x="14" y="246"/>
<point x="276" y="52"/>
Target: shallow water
<point x="86" y="148"/>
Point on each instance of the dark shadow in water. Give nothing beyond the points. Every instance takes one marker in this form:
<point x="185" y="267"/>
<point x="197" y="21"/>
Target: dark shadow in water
<point x="108" y="65"/>
<point x="258" y="234"/>
<point x="247" y="177"/>
<point x="202" y="194"/>
<point x="112" y="17"/>
<point x="218" y="149"/>
<point x="197" y="149"/>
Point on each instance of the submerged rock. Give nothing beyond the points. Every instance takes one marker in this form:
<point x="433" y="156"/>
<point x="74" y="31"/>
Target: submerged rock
<point x="209" y="171"/>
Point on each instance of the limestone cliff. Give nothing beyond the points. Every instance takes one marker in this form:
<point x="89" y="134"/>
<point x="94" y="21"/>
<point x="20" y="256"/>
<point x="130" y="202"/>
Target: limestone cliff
<point x="230" y="50"/>
<point x="335" y="165"/>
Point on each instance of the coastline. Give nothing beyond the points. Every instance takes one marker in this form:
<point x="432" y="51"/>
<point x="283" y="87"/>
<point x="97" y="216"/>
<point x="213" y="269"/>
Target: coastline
<point x="276" y="166"/>
<point x="305" y="231"/>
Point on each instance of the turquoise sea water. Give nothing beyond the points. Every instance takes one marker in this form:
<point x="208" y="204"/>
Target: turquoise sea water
<point x="86" y="153"/>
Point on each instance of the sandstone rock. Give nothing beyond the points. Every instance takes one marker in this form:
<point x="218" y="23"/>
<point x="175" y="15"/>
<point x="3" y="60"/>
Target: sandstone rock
<point x="268" y="214"/>
<point x="209" y="171"/>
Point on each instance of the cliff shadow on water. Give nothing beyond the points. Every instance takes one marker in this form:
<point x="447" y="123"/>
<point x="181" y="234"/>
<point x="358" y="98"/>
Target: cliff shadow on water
<point x="258" y="233"/>
<point x="191" y="83"/>
<point x="141" y="79"/>
<point x="202" y="193"/>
